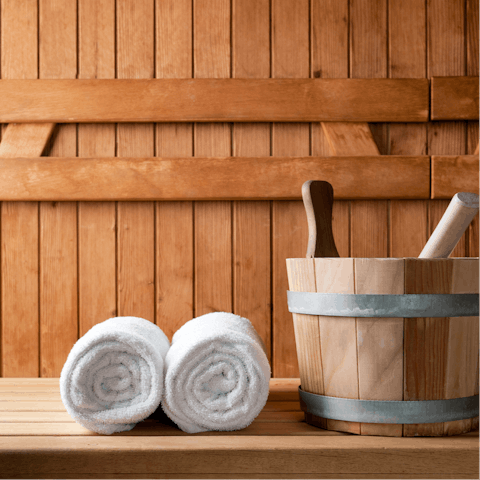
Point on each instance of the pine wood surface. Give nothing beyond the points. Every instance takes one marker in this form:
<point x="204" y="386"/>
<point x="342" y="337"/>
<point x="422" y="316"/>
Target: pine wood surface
<point x="450" y="342"/>
<point x="97" y="222"/>
<point x="446" y="57"/>
<point x="19" y="342"/>
<point x="329" y="34"/>
<point x="58" y="222"/>
<point x="454" y="98"/>
<point x="212" y="98"/>
<point x="387" y="359"/>
<point x="472" y="44"/>
<point x="135" y="220"/>
<point x="290" y="59"/>
<point x="454" y="173"/>
<point x="252" y="220"/>
<point x="278" y="444"/>
<point x="212" y="220"/>
<point x="174" y="268"/>
<point x="368" y="59"/>
<point x="407" y="59"/>
<point x="276" y="41"/>
<point x="62" y="179"/>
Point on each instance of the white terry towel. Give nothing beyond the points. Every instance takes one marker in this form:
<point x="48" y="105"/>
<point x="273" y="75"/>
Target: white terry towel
<point x="113" y="376"/>
<point x="217" y="374"/>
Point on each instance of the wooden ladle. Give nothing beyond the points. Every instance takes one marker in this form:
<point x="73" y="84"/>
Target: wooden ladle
<point x="318" y="200"/>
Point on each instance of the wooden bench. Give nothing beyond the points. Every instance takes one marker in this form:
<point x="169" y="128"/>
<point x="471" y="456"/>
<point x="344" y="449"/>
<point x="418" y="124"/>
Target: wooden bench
<point x="38" y="439"/>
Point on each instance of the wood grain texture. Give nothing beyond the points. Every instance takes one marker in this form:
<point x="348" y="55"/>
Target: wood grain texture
<point x="426" y="341"/>
<point x="454" y="98"/>
<point x="19" y="279"/>
<point x="329" y="32"/>
<point x="446" y="57"/>
<point x="380" y="340"/>
<point x="174" y="220"/>
<point x="349" y="138"/>
<point x="462" y="356"/>
<point x="472" y="45"/>
<point x="471" y="33"/>
<point x="96" y="220"/>
<point x="19" y="342"/>
<point x="318" y="202"/>
<point x="290" y="59"/>
<point x="58" y="221"/>
<point x="135" y="221"/>
<point x="407" y="59"/>
<point x="277" y="435"/>
<point x="368" y="59"/>
<point x="338" y="338"/>
<point x="170" y="100"/>
<point x="212" y="220"/>
<point x="452" y="174"/>
<point x="425" y="338"/>
<point x="25" y="139"/>
<point x="301" y="278"/>
<point x="251" y="220"/>
<point x="186" y="178"/>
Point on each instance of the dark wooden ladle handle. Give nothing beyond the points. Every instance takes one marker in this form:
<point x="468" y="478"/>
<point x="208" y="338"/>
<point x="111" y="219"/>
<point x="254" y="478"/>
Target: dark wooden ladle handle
<point x="318" y="200"/>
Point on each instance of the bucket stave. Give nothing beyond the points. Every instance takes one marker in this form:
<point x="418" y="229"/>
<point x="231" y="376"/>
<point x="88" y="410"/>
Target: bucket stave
<point x="387" y="358"/>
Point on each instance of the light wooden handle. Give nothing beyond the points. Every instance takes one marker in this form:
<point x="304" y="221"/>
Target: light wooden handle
<point x="460" y="212"/>
<point x="318" y="200"/>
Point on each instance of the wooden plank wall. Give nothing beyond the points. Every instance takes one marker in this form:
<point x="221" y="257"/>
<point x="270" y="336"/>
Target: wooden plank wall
<point x="66" y="266"/>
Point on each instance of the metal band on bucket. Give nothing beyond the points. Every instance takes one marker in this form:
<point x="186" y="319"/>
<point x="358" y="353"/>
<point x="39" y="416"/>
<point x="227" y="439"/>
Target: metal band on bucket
<point x="376" y="411"/>
<point x="376" y="305"/>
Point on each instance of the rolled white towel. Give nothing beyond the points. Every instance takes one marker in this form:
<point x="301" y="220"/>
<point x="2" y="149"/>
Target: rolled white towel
<point x="217" y="374"/>
<point x="113" y="376"/>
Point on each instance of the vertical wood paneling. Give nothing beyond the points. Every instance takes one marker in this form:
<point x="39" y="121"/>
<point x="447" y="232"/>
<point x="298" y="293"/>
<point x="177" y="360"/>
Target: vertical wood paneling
<point x="290" y="57"/>
<point x="329" y="59"/>
<point x="135" y="220"/>
<point x="19" y="345"/>
<point x="174" y="220"/>
<point x="213" y="220"/>
<point x="58" y="220"/>
<point x="368" y="59"/>
<point x="152" y="254"/>
<point x="407" y="59"/>
<point x="446" y="57"/>
<point x="96" y="220"/>
<point x="472" y="127"/>
<point x="251" y="220"/>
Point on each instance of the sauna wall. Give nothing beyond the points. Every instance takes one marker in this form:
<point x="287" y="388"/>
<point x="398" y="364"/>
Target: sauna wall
<point x="66" y="266"/>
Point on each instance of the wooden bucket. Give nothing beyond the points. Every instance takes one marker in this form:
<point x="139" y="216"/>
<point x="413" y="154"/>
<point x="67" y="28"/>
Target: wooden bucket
<point x="394" y="364"/>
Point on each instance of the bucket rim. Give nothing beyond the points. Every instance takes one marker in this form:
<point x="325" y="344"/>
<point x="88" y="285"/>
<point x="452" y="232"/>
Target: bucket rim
<point x="387" y="258"/>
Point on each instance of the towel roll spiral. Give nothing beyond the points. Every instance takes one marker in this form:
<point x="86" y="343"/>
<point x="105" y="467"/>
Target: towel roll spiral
<point x="217" y="374"/>
<point x="113" y="376"/>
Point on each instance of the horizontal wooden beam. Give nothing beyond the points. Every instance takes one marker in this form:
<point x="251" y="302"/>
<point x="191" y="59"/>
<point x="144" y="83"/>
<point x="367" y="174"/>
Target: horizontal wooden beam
<point x="232" y="178"/>
<point x="214" y="100"/>
<point x="454" y="98"/>
<point x="453" y="174"/>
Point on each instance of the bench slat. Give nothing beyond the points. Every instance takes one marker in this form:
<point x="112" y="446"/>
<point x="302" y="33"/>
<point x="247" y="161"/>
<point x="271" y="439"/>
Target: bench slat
<point x="454" y="173"/>
<point x="214" y="100"/>
<point x="278" y="440"/>
<point x="236" y="178"/>
<point x="244" y="453"/>
<point x="454" y="98"/>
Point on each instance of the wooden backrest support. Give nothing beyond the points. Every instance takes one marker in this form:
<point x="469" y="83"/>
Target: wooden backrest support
<point x="330" y="101"/>
<point x="356" y="170"/>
